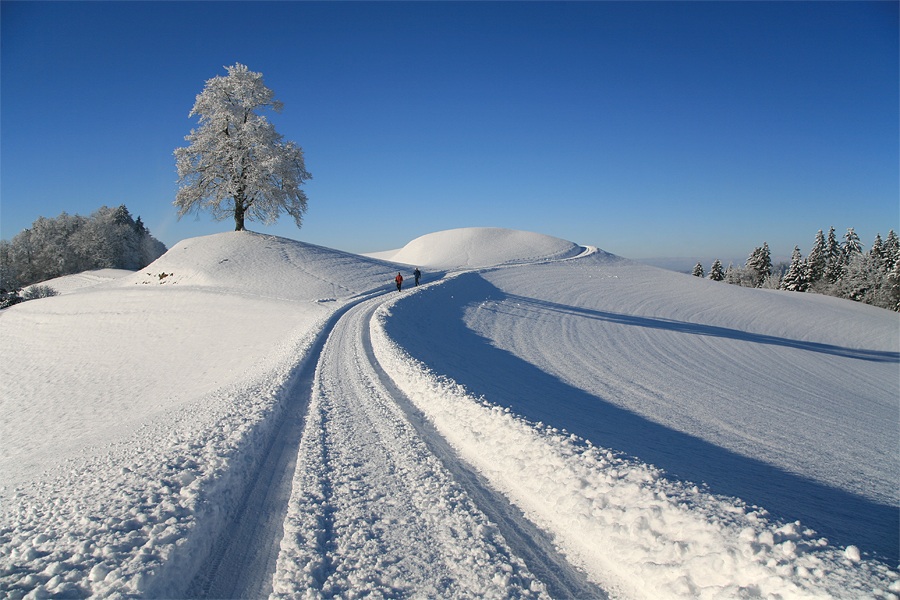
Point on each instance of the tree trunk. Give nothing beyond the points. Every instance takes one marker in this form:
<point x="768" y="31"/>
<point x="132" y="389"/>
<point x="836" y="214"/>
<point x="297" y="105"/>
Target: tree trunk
<point x="238" y="213"/>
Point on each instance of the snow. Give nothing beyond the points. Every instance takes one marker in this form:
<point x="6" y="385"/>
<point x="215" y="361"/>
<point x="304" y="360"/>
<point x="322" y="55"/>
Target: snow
<point x="480" y="247"/>
<point x="538" y="419"/>
<point x="79" y="281"/>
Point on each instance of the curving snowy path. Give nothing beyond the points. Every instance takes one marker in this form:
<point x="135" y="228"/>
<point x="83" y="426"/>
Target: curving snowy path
<point x="374" y="510"/>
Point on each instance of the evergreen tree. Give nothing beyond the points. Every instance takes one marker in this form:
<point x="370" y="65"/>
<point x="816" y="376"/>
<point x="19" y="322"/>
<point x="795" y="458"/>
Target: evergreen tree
<point x="759" y="265"/>
<point x="850" y="247"/>
<point x="891" y="288"/>
<point x="815" y="262"/>
<point x="891" y="251"/>
<point x="860" y="281"/>
<point x="698" y="270"/>
<point x="731" y="275"/>
<point x="716" y="272"/>
<point x="841" y="270"/>
<point x="832" y="258"/>
<point x="877" y="251"/>
<point x="794" y="279"/>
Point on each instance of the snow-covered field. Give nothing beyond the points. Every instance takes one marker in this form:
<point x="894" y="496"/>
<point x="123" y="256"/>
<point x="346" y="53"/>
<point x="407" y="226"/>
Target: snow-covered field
<point x="252" y="415"/>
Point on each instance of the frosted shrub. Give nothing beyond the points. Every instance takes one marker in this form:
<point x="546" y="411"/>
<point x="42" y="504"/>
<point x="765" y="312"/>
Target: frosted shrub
<point x="39" y="291"/>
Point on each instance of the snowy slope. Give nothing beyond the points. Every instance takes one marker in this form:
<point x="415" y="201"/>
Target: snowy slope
<point x="138" y="398"/>
<point x="786" y="401"/>
<point x="250" y="397"/>
<point x="79" y="281"/>
<point x="112" y="356"/>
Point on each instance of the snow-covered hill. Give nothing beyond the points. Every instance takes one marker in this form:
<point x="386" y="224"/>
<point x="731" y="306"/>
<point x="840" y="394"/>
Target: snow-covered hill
<point x="475" y="247"/>
<point x="651" y="434"/>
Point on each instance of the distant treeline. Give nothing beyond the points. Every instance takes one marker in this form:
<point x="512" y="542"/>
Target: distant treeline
<point x="109" y="239"/>
<point x="841" y="269"/>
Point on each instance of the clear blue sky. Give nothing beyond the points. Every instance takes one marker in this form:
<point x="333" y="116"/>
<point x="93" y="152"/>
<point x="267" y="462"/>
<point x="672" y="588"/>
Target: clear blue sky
<point x="648" y="129"/>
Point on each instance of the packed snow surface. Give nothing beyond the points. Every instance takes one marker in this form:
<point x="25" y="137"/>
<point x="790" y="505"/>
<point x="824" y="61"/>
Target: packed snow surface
<point x="253" y="416"/>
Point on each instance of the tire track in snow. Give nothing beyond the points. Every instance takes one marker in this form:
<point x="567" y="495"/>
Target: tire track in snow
<point x="379" y="503"/>
<point x="375" y="511"/>
<point x="532" y="544"/>
<point x="242" y="560"/>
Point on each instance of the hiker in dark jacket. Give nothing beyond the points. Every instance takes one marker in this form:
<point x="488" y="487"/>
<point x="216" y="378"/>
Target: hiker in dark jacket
<point x="417" y="273"/>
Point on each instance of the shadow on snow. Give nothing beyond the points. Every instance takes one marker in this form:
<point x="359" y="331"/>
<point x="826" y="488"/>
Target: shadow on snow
<point x="707" y="330"/>
<point x="452" y="349"/>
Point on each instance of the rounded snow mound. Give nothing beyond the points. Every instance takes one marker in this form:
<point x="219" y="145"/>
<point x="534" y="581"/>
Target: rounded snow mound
<point x="248" y="263"/>
<point x="474" y="247"/>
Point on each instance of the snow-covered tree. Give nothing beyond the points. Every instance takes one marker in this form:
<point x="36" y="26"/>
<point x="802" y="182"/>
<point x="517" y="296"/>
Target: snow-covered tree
<point x="834" y="269"/>
<point x="860" y="280"/>
<point x="759" y="264"/>
<point x="716" y="272"/>
<point x="833" y="264"/>
<point x="109" y="238"/>
<point x="8" y="280"/>
<point x="877" y="251"/>
<point x="815" y="262"/>
<point x="731" y="275"/>
<point x="891" y="251"/>
<point x="698" y="270"/>
<point x="891" y="289"/>
<point x="851" y="246"/>
<point x="237" y="165"/>
<point x="794" y="279"/>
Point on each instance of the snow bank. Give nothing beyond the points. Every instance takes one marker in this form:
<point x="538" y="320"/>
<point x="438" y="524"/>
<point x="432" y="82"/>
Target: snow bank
<point x="474" y="247"/>
<point x="634" y="531"/>
<point x="79" y="370"/>
<point x="765" y="374"/>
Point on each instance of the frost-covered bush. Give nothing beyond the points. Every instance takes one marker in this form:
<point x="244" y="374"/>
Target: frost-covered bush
<point x="39" y="291"/>
<point x="9" y="298"/>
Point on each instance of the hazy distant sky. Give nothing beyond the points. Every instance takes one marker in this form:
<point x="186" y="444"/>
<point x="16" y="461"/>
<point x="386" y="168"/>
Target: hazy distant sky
<point x="647" y="129"/>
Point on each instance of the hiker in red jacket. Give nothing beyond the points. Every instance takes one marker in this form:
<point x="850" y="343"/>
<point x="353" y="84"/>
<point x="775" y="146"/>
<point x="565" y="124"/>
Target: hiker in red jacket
<point x="399" y="280"/>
